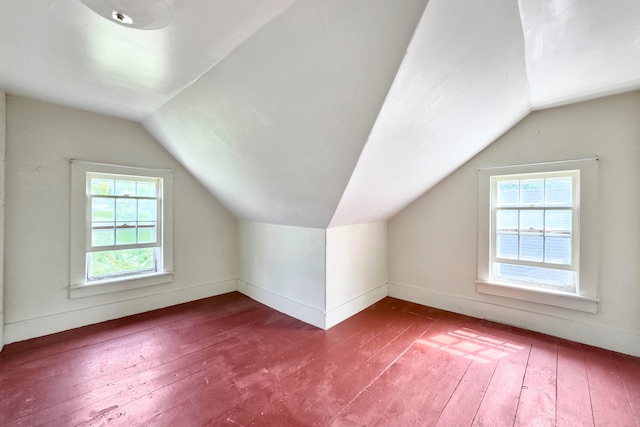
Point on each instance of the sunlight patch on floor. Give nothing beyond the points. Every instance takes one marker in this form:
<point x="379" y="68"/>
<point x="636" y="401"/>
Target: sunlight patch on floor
<point x="471" y="344"/>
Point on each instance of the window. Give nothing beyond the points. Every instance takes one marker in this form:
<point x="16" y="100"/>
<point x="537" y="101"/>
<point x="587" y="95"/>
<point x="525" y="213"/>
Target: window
<point x="537" y="236"/>
<point x="125" y="216"/>
<point x="120" y="228"/>
<point x="534" y="229"/>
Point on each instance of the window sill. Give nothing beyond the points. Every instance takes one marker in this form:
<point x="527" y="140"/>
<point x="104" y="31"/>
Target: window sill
<point x="539" y="296"/>
<point x="100" y="287"/>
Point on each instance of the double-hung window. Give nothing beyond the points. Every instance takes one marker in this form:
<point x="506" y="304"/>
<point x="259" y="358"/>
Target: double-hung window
<point x="535" y="229"/>
<point x="125" y="219"/>
<point x="120" y="228"/>
<point x="537" y="236"/>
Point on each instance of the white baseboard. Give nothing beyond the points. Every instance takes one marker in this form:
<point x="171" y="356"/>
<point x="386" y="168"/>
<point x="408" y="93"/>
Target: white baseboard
<point x="355" y="305"/>
<point x="283" y="304"/>
<point x="586" y="333"/>
<point x="45" y="325"/>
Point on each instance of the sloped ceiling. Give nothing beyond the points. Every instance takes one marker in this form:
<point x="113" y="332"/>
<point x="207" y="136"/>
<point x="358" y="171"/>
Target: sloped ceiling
<point x="323" y="113"/>
<point x="275" y="129"/>
<point x="462" y="83"/>
<point x="578" y="49"/>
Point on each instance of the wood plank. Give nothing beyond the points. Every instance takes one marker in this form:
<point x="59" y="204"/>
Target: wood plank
<point x="492" y="348"/>
<point x="537" y="405"/>
<point x="608" y="397"/>
<point x="629" y="370"/>
<point x="500" y="401"/>
<point x="573" y="397"/>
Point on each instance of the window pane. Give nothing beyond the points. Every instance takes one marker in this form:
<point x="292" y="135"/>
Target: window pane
<point x="120" y="262"/>
<point x="557" y="250"/>
<point x="541" y="277"/>
<point x="147" y="232"/>
<point x="532" y="192"/>
<point x="102" y="234"/>
<point x="558" y="221"/>
<point x="531" y="248"/>
<point x="125" y="234"/>
<point x="102" y="209"/>
<point x="125" y="188"/>
<point x="558" y="191"/>
<point x="147" y="210"/>
<point x="126" y="209"/>
<point x="102" y="187"/>
<point x="507" y="246"/>
<point x="507" y="220"/>
<point x="532" y="221"/>
<point x="508" y="193"/>
<point x="146" y="189"/>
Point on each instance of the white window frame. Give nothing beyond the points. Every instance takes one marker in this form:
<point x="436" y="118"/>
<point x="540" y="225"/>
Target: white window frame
<point x="80" y="224"/>
<point x="585" y="251"/>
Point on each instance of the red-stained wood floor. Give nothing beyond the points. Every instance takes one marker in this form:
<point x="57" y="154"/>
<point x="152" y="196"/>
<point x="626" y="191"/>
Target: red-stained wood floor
<point x="228" y="360"/>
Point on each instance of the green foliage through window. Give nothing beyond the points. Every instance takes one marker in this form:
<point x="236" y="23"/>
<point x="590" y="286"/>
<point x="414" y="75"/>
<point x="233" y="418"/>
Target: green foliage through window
<point x="120" y="262"/>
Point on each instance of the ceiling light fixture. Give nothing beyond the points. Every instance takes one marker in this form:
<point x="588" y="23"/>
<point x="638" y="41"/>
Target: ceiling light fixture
<point x="139" y="14"/>
<point x="121" y="17"/>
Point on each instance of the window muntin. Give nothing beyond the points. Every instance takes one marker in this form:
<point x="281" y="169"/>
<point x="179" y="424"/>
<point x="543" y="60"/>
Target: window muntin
<point x="124" y="216"/>
<point x="534" y="229"/>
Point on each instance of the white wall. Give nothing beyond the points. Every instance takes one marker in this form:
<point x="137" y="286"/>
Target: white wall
<point x="319" y="276"/>
<point x="432" y="243"/>
<point x="356" y="269"/>
<point x="284" y="267"/>
<point x="3" y="146"/>
<point x="41" y="139"/>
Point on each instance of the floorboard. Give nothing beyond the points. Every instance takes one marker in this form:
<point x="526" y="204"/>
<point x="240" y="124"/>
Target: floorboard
<point x="500" y="400"/>
<point x="537" y="403"/>
<point x="630" y="367"/>
<point x="230" y="361"/>
<point x="573" y="406"/>
<point x="609" y="398"/>
<point x="486" y="350"/>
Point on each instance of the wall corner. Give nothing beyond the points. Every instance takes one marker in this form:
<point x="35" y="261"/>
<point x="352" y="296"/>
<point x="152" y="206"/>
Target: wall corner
<point x="3" y="147"/>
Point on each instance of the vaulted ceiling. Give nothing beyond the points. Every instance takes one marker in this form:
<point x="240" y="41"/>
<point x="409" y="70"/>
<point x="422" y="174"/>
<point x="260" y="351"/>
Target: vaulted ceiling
<point x="322" y="113"/>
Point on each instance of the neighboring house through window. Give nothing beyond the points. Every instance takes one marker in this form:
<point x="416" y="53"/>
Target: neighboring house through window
<point x="121" y="228"/>
<point x="538" y="233"/>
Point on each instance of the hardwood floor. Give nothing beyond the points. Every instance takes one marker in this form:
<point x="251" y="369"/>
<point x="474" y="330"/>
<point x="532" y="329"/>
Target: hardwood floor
<point x="229" y="360"/>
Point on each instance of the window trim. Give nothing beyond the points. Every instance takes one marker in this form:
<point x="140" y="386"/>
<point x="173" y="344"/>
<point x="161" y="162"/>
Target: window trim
<point x="586" y="296"/>
<point x="79" y="286"/>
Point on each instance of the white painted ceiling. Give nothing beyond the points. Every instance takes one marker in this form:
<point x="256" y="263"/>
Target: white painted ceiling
<point x="61" y="51"/>
<point x="323" y="113"/>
